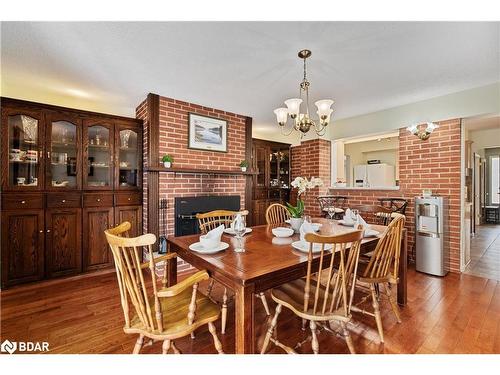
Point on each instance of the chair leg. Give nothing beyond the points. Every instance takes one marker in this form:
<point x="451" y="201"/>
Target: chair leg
<point x="376" y="310"/>
<point x="304" y="322"/>
<point x="166" y="346"/>
<point x="138" y="344"/>
<point x="175" y="349"/>
<point x="270" y="330"/>
<point x="394" y="304"/>
<point x="264" y="302"/>
<point x="224" y="312"/>
<point x="217" y="344"/>
<point x="210" y="287"/>
<point x="348" y="338"/>
<point x="314" y="341"/>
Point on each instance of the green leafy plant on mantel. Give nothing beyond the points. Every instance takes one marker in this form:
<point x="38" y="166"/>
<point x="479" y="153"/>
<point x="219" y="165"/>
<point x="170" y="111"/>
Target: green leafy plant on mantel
<point x="167" y="160"/>
<point x="296" y="211"/>
<point x="244" y="165"/>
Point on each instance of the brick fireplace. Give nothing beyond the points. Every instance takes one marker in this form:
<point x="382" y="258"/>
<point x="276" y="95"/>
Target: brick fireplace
<point x="166" y="132"/>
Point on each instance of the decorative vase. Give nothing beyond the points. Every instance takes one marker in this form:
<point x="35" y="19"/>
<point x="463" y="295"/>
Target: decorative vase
<point x="295" y="223"/>
<point x="243" y="169"/>
<point x="167" y="164"/>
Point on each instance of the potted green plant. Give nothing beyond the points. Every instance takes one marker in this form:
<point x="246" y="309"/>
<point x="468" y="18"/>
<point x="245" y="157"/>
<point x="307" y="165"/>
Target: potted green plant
<point x="296" y="213"/>
<point x="167" y="161"/>
<point x="244" y="165"/>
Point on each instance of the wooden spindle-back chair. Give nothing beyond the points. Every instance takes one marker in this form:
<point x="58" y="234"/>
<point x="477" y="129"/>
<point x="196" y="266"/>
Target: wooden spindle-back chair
<point x="382" y="269"/>
<point x="211" y="220"/>
<point x="156" y="311"/>
<point x="375" y="214"/>
<point x="277" y="213"/>
<point x="325" y="294"/>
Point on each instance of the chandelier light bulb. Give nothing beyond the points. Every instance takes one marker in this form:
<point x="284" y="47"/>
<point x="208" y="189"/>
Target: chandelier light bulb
<point x="293" y="106"/>
<point x="281" y="115"/>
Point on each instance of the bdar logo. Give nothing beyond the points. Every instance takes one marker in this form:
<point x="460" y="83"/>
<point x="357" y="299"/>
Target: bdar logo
<point x="8" y="346"/>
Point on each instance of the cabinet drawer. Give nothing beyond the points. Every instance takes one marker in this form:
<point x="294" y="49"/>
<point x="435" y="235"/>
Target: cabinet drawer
<point x="128" y="199"/>
<point x="65" y="200"/>
<point x="98" y="200"/>
<point x="17" y="201"/>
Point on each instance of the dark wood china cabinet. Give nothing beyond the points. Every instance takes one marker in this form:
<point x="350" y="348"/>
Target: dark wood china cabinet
<point x="66" y="176"/>
<point x="271" y="181"/>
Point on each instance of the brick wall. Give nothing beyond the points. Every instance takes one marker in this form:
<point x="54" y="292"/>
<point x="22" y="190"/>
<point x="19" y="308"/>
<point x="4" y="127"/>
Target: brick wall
<point x="173" y="119"/>
<point x="432" y="164"/>
<point x="312" y="159"/>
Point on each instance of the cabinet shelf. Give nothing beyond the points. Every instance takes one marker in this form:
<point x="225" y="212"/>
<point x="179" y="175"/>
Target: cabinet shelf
<point x="22" y="162"/>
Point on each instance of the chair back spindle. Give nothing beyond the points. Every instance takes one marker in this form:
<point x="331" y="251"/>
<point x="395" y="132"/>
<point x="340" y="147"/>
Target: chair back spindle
<point x="384" y="263"/>
<point x="328" y="290"/>
<point x="276" y="213"/>
<point x="211" y="220"/>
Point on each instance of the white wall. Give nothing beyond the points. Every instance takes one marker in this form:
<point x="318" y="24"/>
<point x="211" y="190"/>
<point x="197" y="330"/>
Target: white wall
<point x="473" y="102"/>
<point x="484" y="138"/>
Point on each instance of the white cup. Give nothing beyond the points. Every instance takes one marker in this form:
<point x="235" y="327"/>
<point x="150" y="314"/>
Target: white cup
<point x="209" y="242"/>
<point x="21" y="180"/>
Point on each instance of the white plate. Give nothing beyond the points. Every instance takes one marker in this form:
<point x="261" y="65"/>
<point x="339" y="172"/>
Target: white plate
<point x="371" y="233"/>
<point x="231" y="231"/>
<point x="343" y="222"/>
<point x="197" y="247"/>
<point x="304" y="246"/>
<point x="282" y="232"/>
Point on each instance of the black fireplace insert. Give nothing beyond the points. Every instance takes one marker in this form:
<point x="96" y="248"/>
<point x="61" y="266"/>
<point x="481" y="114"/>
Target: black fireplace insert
<point x="186" y="209"/>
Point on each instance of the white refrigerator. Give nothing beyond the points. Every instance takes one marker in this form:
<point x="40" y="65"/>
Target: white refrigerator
<point x="374" y="175"/>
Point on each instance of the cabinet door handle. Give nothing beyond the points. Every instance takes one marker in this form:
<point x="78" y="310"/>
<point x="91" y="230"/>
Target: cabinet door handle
<point x="23" y="202"/>
<point x="98" y="199"/>
<point x="63" y="201"/>
<point x="48" y="230"/>
<point x="41" y="231"/>
<point x="129" y="199"/>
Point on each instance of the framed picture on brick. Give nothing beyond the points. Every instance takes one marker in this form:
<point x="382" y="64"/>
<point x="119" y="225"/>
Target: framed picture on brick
<point x="207" y="133"/>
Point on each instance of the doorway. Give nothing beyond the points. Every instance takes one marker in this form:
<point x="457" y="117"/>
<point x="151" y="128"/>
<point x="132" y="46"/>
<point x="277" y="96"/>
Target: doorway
<point x="483" y="182"/>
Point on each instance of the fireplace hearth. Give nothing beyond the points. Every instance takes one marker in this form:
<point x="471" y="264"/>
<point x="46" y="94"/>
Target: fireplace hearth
<point x="186" y="209"/>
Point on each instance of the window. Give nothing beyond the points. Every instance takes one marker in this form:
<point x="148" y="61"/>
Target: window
<point x="495" y="179"/>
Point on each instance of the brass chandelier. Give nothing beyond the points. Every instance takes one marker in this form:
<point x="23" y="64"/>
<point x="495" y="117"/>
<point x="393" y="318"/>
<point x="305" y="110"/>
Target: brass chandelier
<point x="302" y="121"/>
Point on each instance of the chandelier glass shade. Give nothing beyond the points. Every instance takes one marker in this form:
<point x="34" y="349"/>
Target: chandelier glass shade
<point x="303" y="122"/>
<point x="423" y="133"/>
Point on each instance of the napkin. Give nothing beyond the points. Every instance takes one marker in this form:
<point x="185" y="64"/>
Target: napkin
<point x="347" y="216"/>
<point x="215" y="233"/>
<point x="363" y="223"/>
<point x="304" y="229"/>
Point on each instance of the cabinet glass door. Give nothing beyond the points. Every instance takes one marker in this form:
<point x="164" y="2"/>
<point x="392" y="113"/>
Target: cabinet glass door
<point x="99" y="159"/>
<point x="24" y="167"/>
<point x="63" y="152"/>
<point x="128" y="158"/>
<point x="273" y="168"/>
<point x="284" y="159"/>
<point x="260" y="164"/>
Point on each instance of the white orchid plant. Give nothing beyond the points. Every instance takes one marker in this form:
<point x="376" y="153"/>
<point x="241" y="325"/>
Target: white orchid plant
<point x="302" y="184"/>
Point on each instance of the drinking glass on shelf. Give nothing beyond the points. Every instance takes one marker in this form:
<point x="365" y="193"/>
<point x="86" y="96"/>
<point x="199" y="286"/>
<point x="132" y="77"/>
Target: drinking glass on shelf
<point x="239" y="228"/>
<point x="307" y="219"/>
<point x="331" y="211"/>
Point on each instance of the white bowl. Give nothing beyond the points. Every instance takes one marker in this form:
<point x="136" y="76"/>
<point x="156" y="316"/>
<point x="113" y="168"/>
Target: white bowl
<point x="282" y="232"/>
<point x="209" y="243"/>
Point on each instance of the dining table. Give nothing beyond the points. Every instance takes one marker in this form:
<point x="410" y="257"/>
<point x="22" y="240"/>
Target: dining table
<point x="267" y="262"/>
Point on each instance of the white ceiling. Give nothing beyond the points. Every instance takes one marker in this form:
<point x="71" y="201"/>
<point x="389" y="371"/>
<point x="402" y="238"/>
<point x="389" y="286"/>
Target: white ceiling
<point x="248" y="67"/>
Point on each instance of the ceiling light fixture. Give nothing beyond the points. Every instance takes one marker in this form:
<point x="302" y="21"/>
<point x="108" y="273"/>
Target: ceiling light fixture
<point x="423" y="133"/>
<point x="302" y="121"/>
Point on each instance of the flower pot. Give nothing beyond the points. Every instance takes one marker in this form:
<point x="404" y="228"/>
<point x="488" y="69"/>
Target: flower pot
<point x="243" y="169"/>
<point x="295" y="223"/>
<point x="167" y="164"/>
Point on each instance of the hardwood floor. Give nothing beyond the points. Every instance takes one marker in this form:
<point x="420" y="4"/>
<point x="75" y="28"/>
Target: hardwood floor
<point x="485" y="252"/>
<point x="455" y="314"/>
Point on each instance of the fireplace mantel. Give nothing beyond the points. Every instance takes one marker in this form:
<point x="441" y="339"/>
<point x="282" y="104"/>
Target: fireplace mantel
<point x="199" y="171"/>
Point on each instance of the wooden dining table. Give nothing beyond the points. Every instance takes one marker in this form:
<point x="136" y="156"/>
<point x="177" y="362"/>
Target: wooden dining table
<point x="267" y="262"/>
